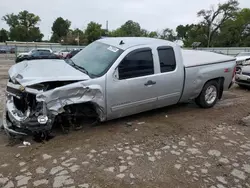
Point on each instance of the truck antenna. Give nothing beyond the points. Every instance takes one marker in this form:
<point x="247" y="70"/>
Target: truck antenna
<point x="121" y="43"/>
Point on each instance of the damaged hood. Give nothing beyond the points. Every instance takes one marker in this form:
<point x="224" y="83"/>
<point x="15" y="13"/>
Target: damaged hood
<point x="37" y="71"/>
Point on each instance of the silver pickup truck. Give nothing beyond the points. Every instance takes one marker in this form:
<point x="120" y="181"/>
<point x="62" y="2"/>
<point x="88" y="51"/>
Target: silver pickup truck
<point x="112" y="78"/>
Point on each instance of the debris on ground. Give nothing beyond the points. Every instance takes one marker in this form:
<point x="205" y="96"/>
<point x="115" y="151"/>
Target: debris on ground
<point x="140" y="123"/>
<point x="246" y="121"/>
<point x="25" y="143"/>
<point x="17" y="155"/>
<point x="129" y="124"/>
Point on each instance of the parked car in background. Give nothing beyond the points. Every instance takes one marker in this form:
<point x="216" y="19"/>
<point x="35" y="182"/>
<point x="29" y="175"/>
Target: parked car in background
<point x="112" y="78"/>
<point x="35" y="50"/>
<point x="72" y="53"/>
<point x="242" y="58"/>
<point x="242" y="77"/>
<point x="63" y="53"/>
<point x="7" y="49"/>
<point x="3" y="51"/>
<point x="37" y="55"/>
<point x="12" y="50"/>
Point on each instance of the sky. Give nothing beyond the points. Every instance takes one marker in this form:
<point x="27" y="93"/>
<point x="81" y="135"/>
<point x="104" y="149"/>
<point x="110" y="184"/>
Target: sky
<point x="153" y="15"/>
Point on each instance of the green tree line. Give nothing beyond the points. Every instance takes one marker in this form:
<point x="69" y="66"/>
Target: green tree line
<point x="224" y="24"/>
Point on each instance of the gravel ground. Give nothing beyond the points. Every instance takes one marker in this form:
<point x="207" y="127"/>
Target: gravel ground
<point x="178" y="146"/>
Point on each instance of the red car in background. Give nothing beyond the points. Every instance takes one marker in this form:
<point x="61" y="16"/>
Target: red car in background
<point x="72" y="53"/>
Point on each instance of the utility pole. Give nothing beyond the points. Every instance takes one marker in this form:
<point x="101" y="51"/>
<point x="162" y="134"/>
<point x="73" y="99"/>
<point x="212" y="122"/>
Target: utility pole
<point x="107" y="25"/>
<point x="107" y="28"/>
<point x="78" y="39"/>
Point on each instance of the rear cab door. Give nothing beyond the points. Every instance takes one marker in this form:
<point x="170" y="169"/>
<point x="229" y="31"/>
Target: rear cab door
<point x="169" y="74"/>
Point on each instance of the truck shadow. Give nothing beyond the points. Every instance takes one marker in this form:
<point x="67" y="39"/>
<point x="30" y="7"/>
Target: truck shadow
<point x="154" y="115"/>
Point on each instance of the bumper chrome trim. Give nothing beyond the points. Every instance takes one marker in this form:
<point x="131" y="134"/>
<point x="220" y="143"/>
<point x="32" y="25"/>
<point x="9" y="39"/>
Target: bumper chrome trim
<point x="7" y="126"/>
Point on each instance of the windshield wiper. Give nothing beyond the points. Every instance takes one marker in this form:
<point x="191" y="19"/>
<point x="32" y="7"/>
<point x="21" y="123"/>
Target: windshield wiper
<point x="69" y="61"/>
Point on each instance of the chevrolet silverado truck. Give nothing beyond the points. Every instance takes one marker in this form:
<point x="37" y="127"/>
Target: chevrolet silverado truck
<point x="109" y="79"/>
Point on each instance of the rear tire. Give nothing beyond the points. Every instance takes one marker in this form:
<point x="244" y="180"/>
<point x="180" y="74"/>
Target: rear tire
<point x="209" y="95"/>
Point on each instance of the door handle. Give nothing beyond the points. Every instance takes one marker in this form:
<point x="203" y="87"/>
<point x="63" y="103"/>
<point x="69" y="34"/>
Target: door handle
<point x="150" y="82"/>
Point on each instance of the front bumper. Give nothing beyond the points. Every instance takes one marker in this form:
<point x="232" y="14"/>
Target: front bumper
<point x="242" y="79"/>
<point x="17" y="123"/>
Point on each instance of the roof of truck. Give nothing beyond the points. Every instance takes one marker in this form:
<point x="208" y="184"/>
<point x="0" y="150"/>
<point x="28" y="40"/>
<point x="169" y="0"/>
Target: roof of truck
<point x="129" y="42"/>
<point x="190" y="57"/>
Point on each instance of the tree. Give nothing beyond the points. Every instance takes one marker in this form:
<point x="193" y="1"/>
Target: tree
<point x="4" y="35"/>
<point x="168" y="34"/>
<point x="192" y="33"/>
<point x="94" y="31"/>
<point x="60" y="29"/>
<point x="213" y="19"/>
<point x="236" y="32"/>
<point x="131" y="29"/>
<point x="23" y="26"/>
<point x="144" y="33"/>
<point x="75" y="37"/>
<point x="182" y="31"/>
<point x="195" y="33"/>
<point x="153" y="34"/>
<point x="116" y="33"/>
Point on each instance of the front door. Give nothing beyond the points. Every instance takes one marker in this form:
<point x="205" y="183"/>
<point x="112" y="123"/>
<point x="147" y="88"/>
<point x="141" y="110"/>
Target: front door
<point x="132" y="89"/>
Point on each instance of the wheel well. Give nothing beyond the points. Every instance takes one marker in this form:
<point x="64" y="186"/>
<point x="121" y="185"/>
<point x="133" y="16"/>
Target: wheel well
<point x="220" y="81"/>
<point x="87" y="109"/>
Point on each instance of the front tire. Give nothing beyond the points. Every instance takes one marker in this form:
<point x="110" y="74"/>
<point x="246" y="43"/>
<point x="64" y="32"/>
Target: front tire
<point x="209" y="95"/>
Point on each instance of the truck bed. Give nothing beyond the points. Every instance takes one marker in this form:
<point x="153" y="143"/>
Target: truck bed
<point x="202" y="66"/>
<point x="192" y="58"/>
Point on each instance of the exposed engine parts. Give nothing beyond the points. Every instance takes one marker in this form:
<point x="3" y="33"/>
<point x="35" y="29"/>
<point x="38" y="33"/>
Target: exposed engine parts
<point x="34" y="110"/>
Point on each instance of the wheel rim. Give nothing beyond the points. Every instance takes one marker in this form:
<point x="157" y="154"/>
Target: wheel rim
<point x="211" y="94"/>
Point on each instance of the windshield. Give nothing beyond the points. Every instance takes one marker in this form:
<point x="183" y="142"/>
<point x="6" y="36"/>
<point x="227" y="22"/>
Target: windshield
<point x="97" y="58"/>
<point x="243" y="54"/>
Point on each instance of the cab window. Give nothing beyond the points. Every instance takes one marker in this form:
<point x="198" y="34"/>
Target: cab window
<point x="167" y="59"/>
<point x="136" y="64"/>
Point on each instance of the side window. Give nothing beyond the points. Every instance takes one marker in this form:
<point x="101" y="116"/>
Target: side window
<point x="167" y="59"/>
<point x="44" y="53"/>
<point x="136" y="64"/>
<point x="36" y="53"/>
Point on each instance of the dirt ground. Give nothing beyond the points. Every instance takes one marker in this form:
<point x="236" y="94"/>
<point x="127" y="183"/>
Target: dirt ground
<point x="177" y="146"/>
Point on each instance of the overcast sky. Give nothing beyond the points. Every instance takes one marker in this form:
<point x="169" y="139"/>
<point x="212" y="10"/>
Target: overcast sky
<point x="151" y="14"/>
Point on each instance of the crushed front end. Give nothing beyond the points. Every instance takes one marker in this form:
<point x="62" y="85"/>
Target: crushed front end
<point x="34" y="109"/>
<point x="23" y="115"/>
<point x="38" y="98"/>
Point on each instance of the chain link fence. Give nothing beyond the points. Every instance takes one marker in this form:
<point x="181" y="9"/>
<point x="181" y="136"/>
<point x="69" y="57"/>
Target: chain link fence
<point x="9" y="50"/>
<point x="232" y="51"/>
